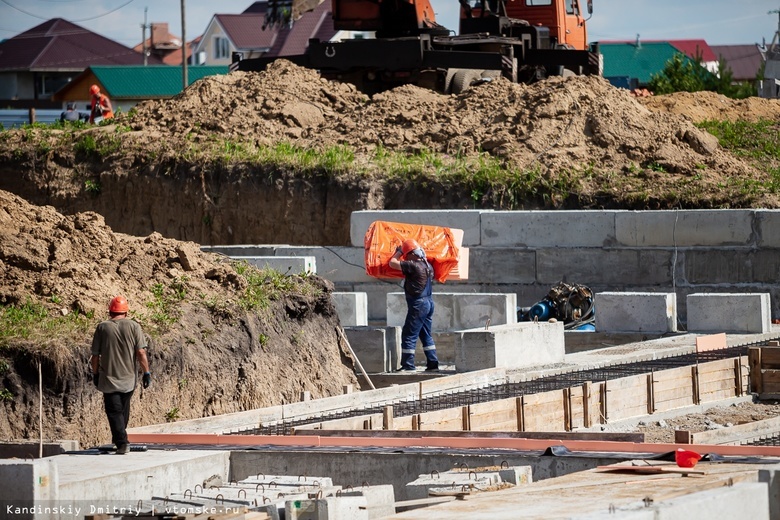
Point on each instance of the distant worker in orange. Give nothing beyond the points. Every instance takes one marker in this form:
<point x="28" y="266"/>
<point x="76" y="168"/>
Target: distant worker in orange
<point x="101" y="106"/>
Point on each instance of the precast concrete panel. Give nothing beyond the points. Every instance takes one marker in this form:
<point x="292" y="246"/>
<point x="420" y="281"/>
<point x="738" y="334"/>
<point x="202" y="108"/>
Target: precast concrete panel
<point x="636" y="312"/>
<point x="467" y="220"/>
<point x="337" y="264"/>
<point x="352" y="308"/>
<point x="712" y="266"/>
<point x="507" y="264"/>
<point x="458" y="311"/>
<point x="738" y="313"/>
<point x="605" y="267"/>
<point x="684" y="228"/>
<point x="560" y="228"/>
<point x="768" y="228"/>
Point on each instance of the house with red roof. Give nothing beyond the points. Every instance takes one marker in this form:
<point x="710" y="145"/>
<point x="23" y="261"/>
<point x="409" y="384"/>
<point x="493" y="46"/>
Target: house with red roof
<point x="38" y="62"/>
<point x="250" y="34"/>
<point x="165" y="46"/>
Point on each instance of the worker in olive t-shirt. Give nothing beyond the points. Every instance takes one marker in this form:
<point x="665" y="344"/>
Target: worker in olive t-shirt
<point x="117" y="344"/>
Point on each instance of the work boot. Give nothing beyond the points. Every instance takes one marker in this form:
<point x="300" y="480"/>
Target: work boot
<point x="123" y="449"/>
<point x="432" y="368"/>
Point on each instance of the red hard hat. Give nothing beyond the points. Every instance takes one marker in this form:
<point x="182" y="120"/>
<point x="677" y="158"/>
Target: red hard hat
<point x="94" y="89"/>
<point x="118" y="305"/>
<point x="409" y="244"/>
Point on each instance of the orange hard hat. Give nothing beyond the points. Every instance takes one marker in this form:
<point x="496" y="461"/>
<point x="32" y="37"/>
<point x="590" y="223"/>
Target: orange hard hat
<point x="94" y="89"/>
<point x="118" y="305"/>
<point x="409" y="244"/>
<point x="686" y="458"/>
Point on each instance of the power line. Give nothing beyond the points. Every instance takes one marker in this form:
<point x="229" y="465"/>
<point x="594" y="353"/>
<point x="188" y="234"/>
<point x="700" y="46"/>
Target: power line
<point x="9" y="4"/>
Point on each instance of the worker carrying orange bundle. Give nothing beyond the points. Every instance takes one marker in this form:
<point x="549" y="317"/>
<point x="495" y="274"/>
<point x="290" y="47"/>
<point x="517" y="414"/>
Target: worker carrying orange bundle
<point x="409" y="258"/>
<point x="101" y="108"/>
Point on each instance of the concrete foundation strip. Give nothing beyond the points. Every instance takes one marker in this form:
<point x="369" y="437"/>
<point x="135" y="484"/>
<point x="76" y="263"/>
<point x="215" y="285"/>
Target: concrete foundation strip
<point x="360" y="366"/>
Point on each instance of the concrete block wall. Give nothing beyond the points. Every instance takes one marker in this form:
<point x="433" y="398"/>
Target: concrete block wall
<point x="526" y="252"/>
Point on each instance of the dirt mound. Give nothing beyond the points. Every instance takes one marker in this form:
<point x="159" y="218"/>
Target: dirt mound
<point x="559" y="124"/>
<point x="710" y="106"/>
<point x="208" y="353"/>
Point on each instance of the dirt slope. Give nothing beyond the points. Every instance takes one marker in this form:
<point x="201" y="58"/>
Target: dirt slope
<point x="216" y="358"/>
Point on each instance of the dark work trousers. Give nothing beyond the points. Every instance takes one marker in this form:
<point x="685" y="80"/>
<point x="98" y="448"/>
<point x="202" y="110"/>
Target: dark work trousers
<point x="418" y="324"/>
<point x="118" y="413"/>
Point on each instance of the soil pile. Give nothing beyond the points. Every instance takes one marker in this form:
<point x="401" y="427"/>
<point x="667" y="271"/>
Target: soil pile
<point x="710" y="106"/>
<point x="208" y="355"/>
<point x="559" y="124"/>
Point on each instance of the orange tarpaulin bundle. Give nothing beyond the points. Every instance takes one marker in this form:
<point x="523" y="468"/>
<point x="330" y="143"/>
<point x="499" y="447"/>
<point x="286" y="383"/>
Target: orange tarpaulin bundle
<point x="439" y="243"/>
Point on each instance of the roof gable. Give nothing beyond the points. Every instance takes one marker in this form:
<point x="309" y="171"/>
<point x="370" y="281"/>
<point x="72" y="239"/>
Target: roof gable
<point x="636" y="61"/>
<point x="59" y="45"/>
<point x="245" y="31"/>
<point x="743" y="60"/>
<point x="695" y="49"/>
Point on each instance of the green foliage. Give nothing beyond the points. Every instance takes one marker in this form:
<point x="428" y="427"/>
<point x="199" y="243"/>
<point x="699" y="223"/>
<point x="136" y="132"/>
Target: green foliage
<point x="172" y="414"/>
<point x="682" y="74"/>
<point x="92" y="187"/>
<point x="263" y="339"/>
<point x="32" y="321"/>
<point x="164" y="309"/>
<point x="3" y="367"/>
<point x="6" y="395"/>
<point x="266" y="285"/>
<point x="759" y="140"/>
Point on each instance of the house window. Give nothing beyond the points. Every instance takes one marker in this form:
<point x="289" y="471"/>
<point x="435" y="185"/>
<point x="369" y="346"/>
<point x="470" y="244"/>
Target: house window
<point x="538" y="2"/>
<point x="221" y="48"/>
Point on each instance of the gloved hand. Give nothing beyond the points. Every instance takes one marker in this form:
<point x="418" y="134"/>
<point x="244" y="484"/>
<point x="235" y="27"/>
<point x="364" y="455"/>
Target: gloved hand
<point x="399" y="251"/>
<point x="147" y="379"/>
<point x="95" y="378"/>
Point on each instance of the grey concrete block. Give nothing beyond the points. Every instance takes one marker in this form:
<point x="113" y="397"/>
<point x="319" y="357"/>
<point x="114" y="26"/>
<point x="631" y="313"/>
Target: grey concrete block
<point x="599" y="267"/>
<point x="380" y="499"/>
<point x="352" y="308"/>
<point x="370" y="347"/>
<point x="283" y="264"/>
<point x="738" y="266"/>
<point x="636" y="312"/>
<point x="468" y="220"/>
<point x="533" y="229"/>
<point x="738" y="313"/>
<point x="458" y="311"/>
<point x="510" y="346"/>
<point x="329" y="508"/>
<point x="768" y="228"/>
<point x="684" y="228"/>
<point x="771" y="477"/>
<point x="450" y="480"/>
<point x="29" y="483"/>
<point x="507" y="264"/>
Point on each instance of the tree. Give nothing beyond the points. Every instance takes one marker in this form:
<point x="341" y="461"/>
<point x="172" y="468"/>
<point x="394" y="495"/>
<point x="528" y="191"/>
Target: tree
<point x="682" y="74"/>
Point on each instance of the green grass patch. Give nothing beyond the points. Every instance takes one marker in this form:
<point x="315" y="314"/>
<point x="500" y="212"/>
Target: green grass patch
<point x="34" y="323"/>
<point x="165" y="307"/>
<point x="267" y="285"/>
<point x="759" y="141"/>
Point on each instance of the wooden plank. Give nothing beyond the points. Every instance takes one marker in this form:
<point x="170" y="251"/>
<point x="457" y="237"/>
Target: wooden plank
<point x="387" y="418"/>
<point x="627" y="384"/>
<point x="465" y="418"/>
<point x="738" y="376"/>
<point x="682" y="437"/>
<point x="587" y="387"/>
<point x="520" y="411"/>
<point x="770" y="377"/>
<point x="650" y="394"/>
<point x="673" y="394"/>
<point x="733" y="434"/>
<point x="717" y="386"/>
<point x="671" y="404"/>
<point x="402" y="423"/>
<point x="695" y="384"/>
<point x="754" y="361"/>
<point x="447" y="419"/>
<point x="770" y="357"/>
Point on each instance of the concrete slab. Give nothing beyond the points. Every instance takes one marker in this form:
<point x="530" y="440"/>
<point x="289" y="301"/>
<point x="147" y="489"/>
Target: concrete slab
<point x="729" y="312"/>
<point x="654" y="313"/>
<point x="510" y="346"/>
<point x="377" y="348"/>
<point x="684" y="228"/>
<point x="330" y="508"/>
<point x="535" y="229"/>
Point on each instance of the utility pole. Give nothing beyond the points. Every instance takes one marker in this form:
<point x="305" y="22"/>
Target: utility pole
<point x="183" y="49"/>
<point x="777" y="33"/>
<point x="144" y="26"/>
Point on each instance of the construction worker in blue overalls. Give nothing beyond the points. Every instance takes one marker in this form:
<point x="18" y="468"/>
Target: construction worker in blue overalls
<point x="418" y="283"/>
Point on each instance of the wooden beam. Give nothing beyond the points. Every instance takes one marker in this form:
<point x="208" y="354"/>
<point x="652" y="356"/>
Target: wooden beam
<point x="754" y="362"/>
<point x="740" y="432"/>
<point x="580" y="436"/>
<point x="586" y="388"/>
<point x="387" y="418"/>
<point x="695" y="386"/>
<point x="650" y="394"/>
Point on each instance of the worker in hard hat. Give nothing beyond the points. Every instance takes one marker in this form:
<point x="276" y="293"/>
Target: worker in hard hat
<point x="118" y="343"/>
<point x="101" y="108"/>
<point x="409" y="258"/>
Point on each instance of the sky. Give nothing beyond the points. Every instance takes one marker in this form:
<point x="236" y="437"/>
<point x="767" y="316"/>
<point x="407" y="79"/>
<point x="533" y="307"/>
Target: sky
<point x="719" y="22"/>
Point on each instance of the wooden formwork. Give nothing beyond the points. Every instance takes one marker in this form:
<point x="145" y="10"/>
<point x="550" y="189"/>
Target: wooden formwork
<point x="765" y="371"/>
<point x="572" y="408"/>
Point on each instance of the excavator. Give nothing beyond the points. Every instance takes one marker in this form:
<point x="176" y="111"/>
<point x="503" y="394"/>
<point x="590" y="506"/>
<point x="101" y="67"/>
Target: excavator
<point x="521" y="40"/>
